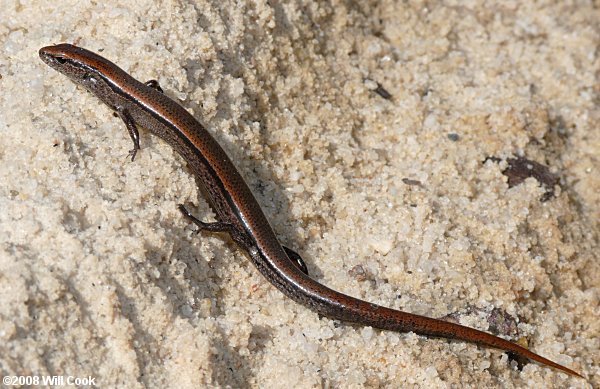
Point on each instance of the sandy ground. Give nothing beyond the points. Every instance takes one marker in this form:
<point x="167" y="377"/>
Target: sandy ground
<point x="376" y="137"/>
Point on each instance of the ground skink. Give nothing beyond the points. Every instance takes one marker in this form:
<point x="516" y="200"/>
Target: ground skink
<point x="237" y="211"/>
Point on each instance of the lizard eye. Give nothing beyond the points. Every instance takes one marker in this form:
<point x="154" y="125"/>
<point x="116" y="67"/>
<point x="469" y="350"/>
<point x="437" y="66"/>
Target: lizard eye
<point x="60" y="60"/>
